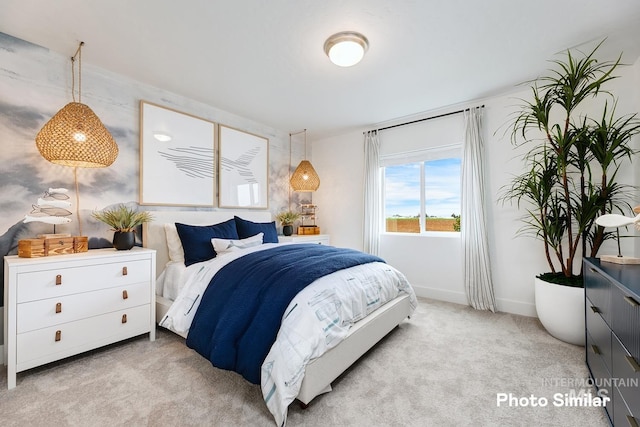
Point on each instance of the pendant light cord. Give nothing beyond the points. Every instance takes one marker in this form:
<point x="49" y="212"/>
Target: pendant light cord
<point x="73" y="73"/>
<point x="305" y="157"/>
<point x="73" y="94"/>
<point x="75" y="177"/>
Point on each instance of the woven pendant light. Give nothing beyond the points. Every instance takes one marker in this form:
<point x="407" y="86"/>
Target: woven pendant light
<point x="75" y="136"/>
<point x="305" y="178"/>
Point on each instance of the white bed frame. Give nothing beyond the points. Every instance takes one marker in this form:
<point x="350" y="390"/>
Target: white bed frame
<point x="320" y="372"/>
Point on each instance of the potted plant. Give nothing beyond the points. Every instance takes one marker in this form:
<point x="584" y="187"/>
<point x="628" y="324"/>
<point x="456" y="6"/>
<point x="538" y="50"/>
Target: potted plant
<point x="287" y="218"/>
<point x="569" y="180"/>
<point x="123" y="220"/>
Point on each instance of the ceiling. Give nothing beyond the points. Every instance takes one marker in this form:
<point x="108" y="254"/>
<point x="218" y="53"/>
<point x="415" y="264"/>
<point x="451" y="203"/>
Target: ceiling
<point x="264" y="59"/>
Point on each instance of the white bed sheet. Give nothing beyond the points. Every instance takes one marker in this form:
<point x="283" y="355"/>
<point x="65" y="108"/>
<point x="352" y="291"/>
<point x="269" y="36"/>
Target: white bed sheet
<point x="316" y="320"/>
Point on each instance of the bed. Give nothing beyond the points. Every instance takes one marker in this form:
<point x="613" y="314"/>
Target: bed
<point x="319" y="372"/>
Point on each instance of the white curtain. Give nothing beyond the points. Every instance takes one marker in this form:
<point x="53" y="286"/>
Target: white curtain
<point x="475" y="249"/>
<point x="372" y="193"/>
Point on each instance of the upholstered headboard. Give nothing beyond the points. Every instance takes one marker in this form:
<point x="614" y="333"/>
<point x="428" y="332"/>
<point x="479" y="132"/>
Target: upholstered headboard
<point x="153" y="234"/>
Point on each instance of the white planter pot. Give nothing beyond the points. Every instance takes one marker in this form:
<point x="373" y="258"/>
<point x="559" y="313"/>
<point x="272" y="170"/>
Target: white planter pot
<point x="561" y="311"/>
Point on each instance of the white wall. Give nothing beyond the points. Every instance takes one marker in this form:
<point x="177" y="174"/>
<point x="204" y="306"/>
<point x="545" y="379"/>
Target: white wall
<point x="433" y="263"/>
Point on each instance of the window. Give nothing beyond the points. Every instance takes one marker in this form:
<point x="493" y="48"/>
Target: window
<point x="422" y="196"/>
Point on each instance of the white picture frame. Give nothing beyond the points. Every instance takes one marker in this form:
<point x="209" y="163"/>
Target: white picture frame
<point x="177" y="158"/>
<point x="243" y="169"/>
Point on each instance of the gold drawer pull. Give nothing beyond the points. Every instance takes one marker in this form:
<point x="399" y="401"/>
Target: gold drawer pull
<point x="632" y="362"/>
<point x="595" y="309"/>
<point x="632" y="421"/>
<point x="631" y="301"/>
<point x="124" y="318"/>
<point x="58" y="335"/>
<point x="125" y="295"/>
<point x="595" y="349"/>
<point x="59" y="279"/>
<point x="124" y="271"/>
<point x="59" y="307"/>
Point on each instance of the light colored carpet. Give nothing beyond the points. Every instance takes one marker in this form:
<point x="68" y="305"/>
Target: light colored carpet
<point x="443" y="367"/>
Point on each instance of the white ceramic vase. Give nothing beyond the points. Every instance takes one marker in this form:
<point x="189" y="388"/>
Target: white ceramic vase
<point x="561" y="311"/>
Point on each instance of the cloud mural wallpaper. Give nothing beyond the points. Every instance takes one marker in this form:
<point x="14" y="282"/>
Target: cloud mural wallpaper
<point x="34" y="84"/>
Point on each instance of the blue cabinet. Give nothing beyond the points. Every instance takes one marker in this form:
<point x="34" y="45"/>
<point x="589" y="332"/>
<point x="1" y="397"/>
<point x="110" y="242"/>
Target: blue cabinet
<point x="612" y="293"/>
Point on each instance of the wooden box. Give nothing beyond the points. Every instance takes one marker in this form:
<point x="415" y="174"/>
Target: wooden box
<point x="80" y="244"/>
<point x="31" y="248"/>
<point x="308" y="229"/>
<point x="59" y="246"/>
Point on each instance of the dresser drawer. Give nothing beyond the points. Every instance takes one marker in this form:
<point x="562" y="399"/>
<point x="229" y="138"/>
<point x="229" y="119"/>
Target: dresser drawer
<point x="598" y="289"/>
<point x="626" y="319"/>
<point x="35" y="285"/>
<point x="595" y="362"/>
<point x="626" y="371"/>
<point x="55" y="311"/>
<point x="622" y="415"/>
<point x="40" y="346"/>
<point x="600" y="334"/>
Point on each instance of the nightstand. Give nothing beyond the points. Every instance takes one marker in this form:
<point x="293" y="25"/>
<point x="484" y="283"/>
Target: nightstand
<point x="321" y="239"/>
<point x="59" y="306"/>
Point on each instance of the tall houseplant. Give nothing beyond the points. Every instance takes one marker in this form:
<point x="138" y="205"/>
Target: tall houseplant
<point x="571" y="165"/>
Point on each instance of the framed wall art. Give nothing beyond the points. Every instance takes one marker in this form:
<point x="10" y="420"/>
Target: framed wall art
<point x="177" y="158"/>
<point x="243" y="169"/>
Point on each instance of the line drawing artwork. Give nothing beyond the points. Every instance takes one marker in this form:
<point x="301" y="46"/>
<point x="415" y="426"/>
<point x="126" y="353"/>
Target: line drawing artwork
<point x="242" y="165"/>
<point x="178" y="157"/>
<point x="195" y="162"/>
<point x="244" y="169"/>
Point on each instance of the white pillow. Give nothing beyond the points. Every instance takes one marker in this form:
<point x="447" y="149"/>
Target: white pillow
<point x="227" y="245"/>
<point x="176" y="252"/>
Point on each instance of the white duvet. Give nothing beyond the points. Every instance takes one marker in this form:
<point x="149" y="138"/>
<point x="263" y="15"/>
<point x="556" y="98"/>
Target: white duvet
<point x="317" y="319"/>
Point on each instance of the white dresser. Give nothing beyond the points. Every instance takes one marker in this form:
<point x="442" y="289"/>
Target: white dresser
<point x="59" y="306"/>
<point x="321" y="239"/>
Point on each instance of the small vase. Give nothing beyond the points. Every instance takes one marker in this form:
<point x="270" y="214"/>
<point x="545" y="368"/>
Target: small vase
<point x="124" y="240"/>
<point x="287" y="230"/>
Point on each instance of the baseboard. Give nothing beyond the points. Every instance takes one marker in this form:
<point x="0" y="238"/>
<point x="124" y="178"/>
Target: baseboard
<point x="2" y="354"/>
<point x="516" y="307"/>
<point x="440" y="294"/>
<point x="503" y="305"/>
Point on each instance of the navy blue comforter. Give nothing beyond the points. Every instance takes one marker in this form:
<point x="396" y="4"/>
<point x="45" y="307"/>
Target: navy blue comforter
<point x="241" y="310"/>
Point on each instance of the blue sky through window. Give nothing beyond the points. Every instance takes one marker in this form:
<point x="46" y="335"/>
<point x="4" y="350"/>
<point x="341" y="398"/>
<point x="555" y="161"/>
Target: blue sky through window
<point x="442" y="188"/>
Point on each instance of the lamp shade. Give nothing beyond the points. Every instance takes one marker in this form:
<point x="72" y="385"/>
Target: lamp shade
<point x="76" y="137"/>
<point x="305" y="178"/>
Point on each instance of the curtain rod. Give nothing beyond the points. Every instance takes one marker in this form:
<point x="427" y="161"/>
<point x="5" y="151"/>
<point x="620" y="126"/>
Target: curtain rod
<point x="425" y="119"/>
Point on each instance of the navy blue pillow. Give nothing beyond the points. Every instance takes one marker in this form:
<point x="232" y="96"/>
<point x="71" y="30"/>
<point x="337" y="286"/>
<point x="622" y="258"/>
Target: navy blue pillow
<point x="196" y="239"/>
<point x="248" y="228"/>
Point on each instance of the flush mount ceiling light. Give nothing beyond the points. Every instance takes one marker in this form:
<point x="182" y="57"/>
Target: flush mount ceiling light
<point x="346" y="48"/>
